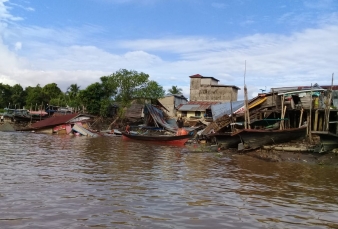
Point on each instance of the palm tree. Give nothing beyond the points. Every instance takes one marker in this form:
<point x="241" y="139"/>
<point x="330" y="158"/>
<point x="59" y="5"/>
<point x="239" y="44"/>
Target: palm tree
<point x="73" y="91"/>
<point x="175" y="90"/>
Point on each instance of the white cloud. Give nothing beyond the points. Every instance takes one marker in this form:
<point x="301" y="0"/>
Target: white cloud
<point x="5" y="15"/>
<point x="65" y="56"/>
<point x="18" y="46"/>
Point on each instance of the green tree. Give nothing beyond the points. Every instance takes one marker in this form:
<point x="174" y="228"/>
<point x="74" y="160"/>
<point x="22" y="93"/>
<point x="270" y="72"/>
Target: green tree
<point x="35" y="97"/>
<point x="152" y="90"/>
<point x="73" y="91"/>
<point x="72" y="95"/>
<point x="91" y="98"/>
<point x="175" y="90"/>
<point x="51" y="91"/>
<point x="132" y="85"/>
<point x="18" y="96"/>
<point x="5" y="96"/>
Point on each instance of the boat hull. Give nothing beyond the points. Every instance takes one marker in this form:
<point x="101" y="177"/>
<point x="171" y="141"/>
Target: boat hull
<point x="176" y="140"/>
<point x="328" y="142"/>
<point x="226" y="140"/>
<point x="254" y="139"/>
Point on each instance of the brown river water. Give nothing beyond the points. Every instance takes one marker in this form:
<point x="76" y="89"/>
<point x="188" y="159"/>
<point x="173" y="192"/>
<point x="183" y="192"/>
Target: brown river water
<point x="50" y="181"/>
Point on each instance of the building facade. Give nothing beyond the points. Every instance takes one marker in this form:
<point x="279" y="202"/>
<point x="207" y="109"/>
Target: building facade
<point x="172" y="102"/>
<point x="207" y="89"/>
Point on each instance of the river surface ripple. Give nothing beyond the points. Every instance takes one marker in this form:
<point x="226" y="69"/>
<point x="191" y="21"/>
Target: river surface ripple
<point x="50" y="181"/>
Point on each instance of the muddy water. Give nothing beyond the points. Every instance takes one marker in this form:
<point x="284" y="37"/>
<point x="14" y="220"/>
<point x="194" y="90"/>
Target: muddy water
<point x="78" y="182"/>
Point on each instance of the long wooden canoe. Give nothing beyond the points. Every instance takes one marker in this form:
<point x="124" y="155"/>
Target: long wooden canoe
<point x="256" y="138"/>
<point x="171" y="139"/>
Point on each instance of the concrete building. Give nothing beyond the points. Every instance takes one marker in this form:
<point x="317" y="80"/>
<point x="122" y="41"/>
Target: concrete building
<point x="204" y="88"/>
<point x="172" y="102"/>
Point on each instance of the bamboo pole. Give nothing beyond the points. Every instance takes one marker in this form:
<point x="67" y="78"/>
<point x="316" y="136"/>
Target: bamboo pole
<point x="284" y="124"/>
<point x="282" y="111"/>
<point x="320" y="124"/>
<point x="246" y="105"/>
<point x="307" y="121"/>
<point x="328" y="106"/>
<point x="301" y="117"/>
<point x="315" y="124"/>
<point x="246" y="114"/>
<point x="232" y="118"/>
<point x="310" y="116"/>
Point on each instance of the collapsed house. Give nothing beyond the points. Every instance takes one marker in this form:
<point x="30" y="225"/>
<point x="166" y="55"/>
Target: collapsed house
<point x="64" y="124"/>
<point x="282" y="108"/>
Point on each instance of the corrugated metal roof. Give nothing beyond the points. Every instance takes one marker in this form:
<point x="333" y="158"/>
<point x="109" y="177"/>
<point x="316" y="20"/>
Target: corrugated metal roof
<point x="219" y="110"/>
<point x="196" y="106"/>
<point x="222" y="109"/>
<point x="54" y="121"/>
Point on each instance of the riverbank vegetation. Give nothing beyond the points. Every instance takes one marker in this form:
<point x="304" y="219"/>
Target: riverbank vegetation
<point x="121" y="87"/>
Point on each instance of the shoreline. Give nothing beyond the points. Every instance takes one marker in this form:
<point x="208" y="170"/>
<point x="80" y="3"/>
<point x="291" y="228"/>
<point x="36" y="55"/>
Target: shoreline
<point x="296" y="152"/>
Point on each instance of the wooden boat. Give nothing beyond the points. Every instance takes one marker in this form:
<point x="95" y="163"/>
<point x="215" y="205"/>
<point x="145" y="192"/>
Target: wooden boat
<point x="225" y="140"/>
<point x="328" y="140"/>
<point x="170" y="139"/>
<point x="256" y="138"/>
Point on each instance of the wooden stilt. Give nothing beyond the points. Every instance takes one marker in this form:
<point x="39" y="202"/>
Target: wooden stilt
<point x="320" y="122"/>
<point x="282" y="111"/>
<point x="301" y="117"/>
<point x="315" y="123"/>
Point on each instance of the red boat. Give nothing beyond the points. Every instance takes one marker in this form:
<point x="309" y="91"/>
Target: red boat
<point x="167" y="139"/>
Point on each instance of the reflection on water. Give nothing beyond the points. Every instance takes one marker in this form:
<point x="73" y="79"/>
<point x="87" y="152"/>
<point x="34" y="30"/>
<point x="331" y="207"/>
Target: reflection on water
<point x="105" y="182"/>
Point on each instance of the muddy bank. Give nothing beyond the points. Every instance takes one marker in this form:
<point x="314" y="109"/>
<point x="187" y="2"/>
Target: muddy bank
<point x="297" y="152"/>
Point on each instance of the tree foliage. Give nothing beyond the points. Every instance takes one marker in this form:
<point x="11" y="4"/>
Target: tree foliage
<point x="175" y="90"/>
<point x="35" y="97"/>
<point x="121" y="87"/>
<point x="130" y="85"/>
<point x="5" y="93"/>
<point x="91" y="98"/>
<point x="51" y="91"/>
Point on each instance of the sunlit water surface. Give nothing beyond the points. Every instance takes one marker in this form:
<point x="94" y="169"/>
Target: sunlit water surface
<point x="78" y="182"/>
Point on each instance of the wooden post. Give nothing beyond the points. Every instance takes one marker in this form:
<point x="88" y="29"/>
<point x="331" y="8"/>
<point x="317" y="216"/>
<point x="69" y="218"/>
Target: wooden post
<point x="310" y="116"/>
<point x="315" y="124"/>
<point x="337" y="124"/>
<point x="320" y="124"/>
<point x="273" y="97"/>
<point x="328" y="106"/>
<point x="282" y="111"/>
<point x="283" y="117"/>
<point x="246" y="114"/>
<point x="308" y="121"/>
<point x="301" y="117"/>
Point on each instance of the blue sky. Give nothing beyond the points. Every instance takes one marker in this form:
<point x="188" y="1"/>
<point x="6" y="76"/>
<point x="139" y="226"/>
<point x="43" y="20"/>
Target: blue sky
<point x="282" y="42"/>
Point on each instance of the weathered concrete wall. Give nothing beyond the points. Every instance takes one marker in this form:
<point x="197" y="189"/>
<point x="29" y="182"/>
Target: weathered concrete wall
<point x="195" y="83"/>
<point x="207" y="89"/>
<point x="208" y="81"/>
<point x="209" y="93"/>
<point x="169" y="103"/>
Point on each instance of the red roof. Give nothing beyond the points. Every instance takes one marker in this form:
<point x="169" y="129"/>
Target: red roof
<point x="200" y="76"/>
<point x="196" y="76"/>
<point x="54" y="121"/>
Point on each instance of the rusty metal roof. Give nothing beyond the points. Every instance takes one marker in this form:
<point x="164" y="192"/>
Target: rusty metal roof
<point x="54" y="121"/>
<point x="196" y="106"/>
